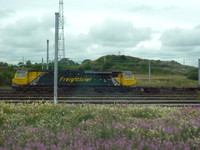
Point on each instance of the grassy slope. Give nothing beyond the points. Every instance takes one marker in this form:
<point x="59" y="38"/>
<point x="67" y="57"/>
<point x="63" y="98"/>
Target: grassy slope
<point x="137" y="65"/>
<point x="163" y="73"/>
<point x="167" y="80"/>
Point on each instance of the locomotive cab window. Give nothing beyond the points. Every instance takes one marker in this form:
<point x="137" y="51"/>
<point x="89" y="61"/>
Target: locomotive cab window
<point x="21" y="74"/>
<point x="128" y="76"/>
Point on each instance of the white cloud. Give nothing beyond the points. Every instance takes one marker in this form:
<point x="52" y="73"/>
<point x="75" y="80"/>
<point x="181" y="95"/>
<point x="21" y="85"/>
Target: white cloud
<point x="100" y="27"/>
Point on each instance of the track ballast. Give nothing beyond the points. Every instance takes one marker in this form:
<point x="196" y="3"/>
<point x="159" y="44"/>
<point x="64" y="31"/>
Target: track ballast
<point x="163" y="98"/>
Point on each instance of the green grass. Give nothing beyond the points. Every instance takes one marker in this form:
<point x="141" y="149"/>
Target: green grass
<point x="5" y="87"/>
<point x="170" y="81"/>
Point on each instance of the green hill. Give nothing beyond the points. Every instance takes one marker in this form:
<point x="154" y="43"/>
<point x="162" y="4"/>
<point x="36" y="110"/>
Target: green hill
<point x="134" y="64"/>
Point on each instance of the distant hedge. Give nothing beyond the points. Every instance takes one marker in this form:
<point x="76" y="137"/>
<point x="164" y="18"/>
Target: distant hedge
<point x="193" y="74"/>
<point x="6" y="76"/>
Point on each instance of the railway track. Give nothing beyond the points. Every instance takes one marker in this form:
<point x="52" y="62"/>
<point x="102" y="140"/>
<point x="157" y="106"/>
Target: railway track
<point x="181" y="99"/>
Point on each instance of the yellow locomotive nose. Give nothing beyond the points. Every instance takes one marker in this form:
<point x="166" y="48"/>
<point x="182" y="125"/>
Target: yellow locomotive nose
<point x="126" y="78"/>
<point x="25" y="77"/>
<point x="21" y="78"/>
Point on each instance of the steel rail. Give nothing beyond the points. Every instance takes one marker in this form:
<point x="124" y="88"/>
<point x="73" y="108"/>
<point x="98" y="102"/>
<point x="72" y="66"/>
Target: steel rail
<point x="102" y="98"/>
<point x="103" y="101"/>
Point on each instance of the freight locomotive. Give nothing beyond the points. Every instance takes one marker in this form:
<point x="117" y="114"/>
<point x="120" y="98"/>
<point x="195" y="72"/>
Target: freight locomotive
<point x="66" y="79"/>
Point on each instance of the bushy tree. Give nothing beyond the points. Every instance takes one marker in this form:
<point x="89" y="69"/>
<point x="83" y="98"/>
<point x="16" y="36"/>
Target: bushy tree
<point x="28" y="64"/>
<point x="193" y="74"/>
<point x="3" y="64"/>
<point x="21" y="64"/>
<point x="6" y="76"/>
<point x="107" y="66"/>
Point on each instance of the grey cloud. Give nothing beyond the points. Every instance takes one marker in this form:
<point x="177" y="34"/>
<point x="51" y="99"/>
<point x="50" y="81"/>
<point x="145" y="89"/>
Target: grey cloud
<point x="197" y="27"/>
<point x="170" y="8"/>
<point x="114" y="32"/>
<point x="6" y="13"/>
<point x="145" y="8"/>
<point x="179" y="43"/>
<point x="29" y="5"/>
<point x="111" y="33"/>
<point x="77" y="42"/>
<point x="141" y="8"/>
<point x="178" y="37"/>
<point x="167" y="53"/>
<point x="107" y="37"/>
<point x="27" y="36"/>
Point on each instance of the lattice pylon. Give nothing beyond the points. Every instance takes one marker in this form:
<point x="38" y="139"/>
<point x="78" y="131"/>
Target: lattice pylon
<point x="61" y="37"/>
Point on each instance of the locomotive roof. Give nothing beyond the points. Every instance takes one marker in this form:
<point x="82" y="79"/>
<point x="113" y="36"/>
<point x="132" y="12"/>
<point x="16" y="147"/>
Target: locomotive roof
<point x="75" y="71"/>
<point x="26" y="70"/>
<point x="127" y="72"/>
<point x="22" y="70"/>
<point x="102" y="72"/>
<point x="108" y="72"/>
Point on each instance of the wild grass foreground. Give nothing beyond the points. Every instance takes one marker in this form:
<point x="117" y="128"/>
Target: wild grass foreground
<point x="94" y="127"/>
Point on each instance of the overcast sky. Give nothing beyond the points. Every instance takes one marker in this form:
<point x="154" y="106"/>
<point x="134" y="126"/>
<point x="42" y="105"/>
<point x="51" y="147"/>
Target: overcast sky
<point x="156" y="29"/>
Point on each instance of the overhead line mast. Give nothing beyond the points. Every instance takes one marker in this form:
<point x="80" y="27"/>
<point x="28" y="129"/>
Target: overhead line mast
<point x="61" y="37"/>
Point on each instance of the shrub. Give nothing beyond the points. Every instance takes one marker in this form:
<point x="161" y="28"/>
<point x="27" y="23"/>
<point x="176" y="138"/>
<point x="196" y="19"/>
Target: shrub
<point x="193" y="74"/>
<point x="6" y="76"/>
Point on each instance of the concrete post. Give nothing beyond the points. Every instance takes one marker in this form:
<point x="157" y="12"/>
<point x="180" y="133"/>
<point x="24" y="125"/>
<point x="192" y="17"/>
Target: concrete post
<point x="47" y="54"/>
<point x="42" y="64"/>
<point x="23" y="61"/>
<point x="199" y="73"/>
<point x="149" y="73"/>
<point x="56" y="58"/>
